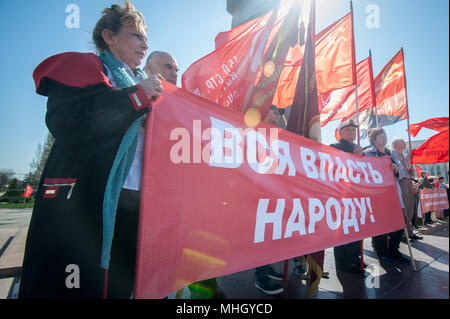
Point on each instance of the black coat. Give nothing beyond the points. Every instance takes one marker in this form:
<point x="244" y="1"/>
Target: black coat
<point x="88" y="118"/>
<point x="345" y="146"/>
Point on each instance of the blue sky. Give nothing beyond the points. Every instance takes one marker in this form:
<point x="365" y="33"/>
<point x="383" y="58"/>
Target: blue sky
<point x="35" y="30"/>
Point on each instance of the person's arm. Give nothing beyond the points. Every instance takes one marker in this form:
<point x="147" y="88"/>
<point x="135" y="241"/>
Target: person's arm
<point x="77" y="115"/>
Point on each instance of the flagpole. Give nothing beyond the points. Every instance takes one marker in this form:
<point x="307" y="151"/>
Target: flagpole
<point x="409" y="141"/>
<point x="374" y="102"/>
<point x="354" y="76"/>
<point x="407" y="104"/>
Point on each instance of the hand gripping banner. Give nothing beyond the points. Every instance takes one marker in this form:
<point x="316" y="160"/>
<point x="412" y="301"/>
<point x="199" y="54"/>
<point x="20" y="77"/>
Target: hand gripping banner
<point x="221" y="194"/>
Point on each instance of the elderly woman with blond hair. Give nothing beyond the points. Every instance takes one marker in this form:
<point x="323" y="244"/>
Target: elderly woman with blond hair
<point x="82" y="236"/>
<point x="387" y="245"/>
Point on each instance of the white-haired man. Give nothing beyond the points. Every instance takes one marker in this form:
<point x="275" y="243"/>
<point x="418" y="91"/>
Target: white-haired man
<point x="162" y="64"/>
<point x="399" y="145"/>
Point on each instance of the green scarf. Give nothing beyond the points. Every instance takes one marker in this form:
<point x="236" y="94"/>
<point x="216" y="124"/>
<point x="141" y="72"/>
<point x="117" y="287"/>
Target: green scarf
<point x="123" y="160"/>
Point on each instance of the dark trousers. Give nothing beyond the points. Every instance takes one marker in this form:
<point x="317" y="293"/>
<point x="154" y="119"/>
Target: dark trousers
<point x="347" y="255"/>
<point x="123" y="250"/>
<point x="262" y="272"/>
<point x="416" y="207"/>
<point x="381" y="244"/>
<point x="428" y="217"/>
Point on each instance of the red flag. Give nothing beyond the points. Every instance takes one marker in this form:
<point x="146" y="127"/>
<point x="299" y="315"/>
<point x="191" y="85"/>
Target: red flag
<point x="28" y="191"/>
<point x="335" y="56"/>
<point x="390" y="92"/>
<point x="434" y="150"/>
<point x="437" y="124"/>
<point x="333" y="62"/>
<point x="418" y="171"/>
<point x="227" y="75"/>
<point x="284" y="96"/>
<point x="255" y="24"/>
<point x="261" y="95"/>
<point x="341" y="103"/>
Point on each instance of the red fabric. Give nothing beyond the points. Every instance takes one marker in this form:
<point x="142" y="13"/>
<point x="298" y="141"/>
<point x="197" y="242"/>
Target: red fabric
<point x="433" y="150"/>
<point x="72" y="69"/>
<point x="284" y="95"/>
<point x="333" y="62"/>
<point x="227" y="75"/>
<point x="341" y="103"/>
<point x="390" y="88"/>
<point x="198" y="220"/>
<point x="418" y="170"/>
<point x="226" y="36"/>
<point x="334" y="56"/>
<point x="437" y="124"/>
<point x="139" y="99"/>
<point x="28" y="191"/>
<point x="262" y="94"/>
<point x="433" y="200"/>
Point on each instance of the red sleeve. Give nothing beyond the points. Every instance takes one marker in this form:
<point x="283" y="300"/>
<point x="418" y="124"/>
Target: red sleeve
<point x="73" y="69"/>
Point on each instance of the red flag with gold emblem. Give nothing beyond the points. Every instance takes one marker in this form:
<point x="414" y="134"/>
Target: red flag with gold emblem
<point x="341" y="103"/>
<point x="390" y="92"/>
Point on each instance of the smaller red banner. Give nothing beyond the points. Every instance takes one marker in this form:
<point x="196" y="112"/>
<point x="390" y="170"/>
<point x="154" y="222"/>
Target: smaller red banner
<point x="432" y="200"/>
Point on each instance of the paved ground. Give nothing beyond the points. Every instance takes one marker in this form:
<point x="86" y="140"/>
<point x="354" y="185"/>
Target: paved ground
<point x="430" y="281"/>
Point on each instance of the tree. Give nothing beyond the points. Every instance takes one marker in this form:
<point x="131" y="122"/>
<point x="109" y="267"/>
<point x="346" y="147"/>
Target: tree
<point x="5" y="176"/>
<point x="40" y="159"/>
<point x="14" y="192"/>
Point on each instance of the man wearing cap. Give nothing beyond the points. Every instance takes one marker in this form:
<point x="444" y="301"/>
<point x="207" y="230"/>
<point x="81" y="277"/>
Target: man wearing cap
<point x="347" y="256"/>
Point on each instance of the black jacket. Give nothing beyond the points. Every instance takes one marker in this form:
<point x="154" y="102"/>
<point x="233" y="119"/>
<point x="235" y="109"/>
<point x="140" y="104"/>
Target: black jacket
<point x="88" y="118"/>
<point x="344" y="145"/>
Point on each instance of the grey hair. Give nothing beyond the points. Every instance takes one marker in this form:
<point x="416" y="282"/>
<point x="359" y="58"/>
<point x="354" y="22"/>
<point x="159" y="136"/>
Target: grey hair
<point x="156" y="53"/>
<point x="396" y="140"/>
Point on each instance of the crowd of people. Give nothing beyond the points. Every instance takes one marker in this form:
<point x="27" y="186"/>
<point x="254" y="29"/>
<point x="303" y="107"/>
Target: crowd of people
<point x="96" y="110"/>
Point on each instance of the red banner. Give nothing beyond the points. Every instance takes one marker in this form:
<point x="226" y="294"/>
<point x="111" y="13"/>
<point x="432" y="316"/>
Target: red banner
<point x="218" y="197"/>
<point x="433" y="150"/>
<point x="341" y="103"/>
<point x="433" y="200"/>
<point x="437" y="124"/>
